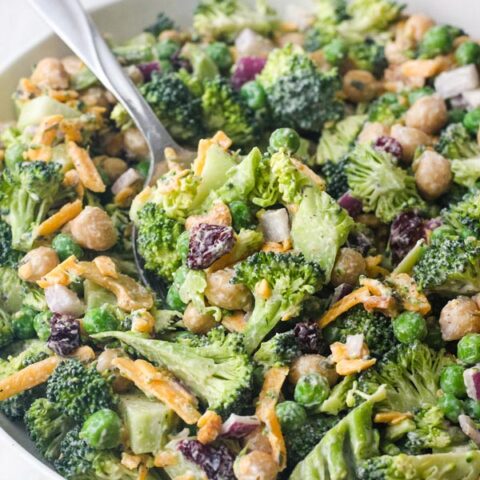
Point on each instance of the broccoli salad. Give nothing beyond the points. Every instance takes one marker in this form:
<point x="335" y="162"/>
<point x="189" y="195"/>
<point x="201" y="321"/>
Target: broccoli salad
<point x="316" y="269"/>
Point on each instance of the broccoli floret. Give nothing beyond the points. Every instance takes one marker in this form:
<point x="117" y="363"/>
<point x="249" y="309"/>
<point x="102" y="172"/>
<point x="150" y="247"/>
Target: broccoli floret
<point x="465" y="215"/>
<point x="8" y="256"/>
<point x="376" y="328"/>
<point x="337" y="140"/>
<point x="299" y="95"/>
<point x="290" y="278"/>
<point x="15" y="407"/>
<point x="175" y="106"/>
<point x="157" y="237"/>
<point x="455" y="143"/>
<point x="28" y="191"/>
<point x="265" y="192"/>
<point x="162" y="23"/>
<point x="215" y="367"/>
<point x="411" y="374"/>
<point x="78" y="391"/>
<point x="387" y="109"/>
<point x="23" y="354"/>
<point x="224" y="109"/>
<point x="449" y="264"/>
<point x="6" y="330"/>
<point x="224" y="19"/>
<point x="369" y="56"/>
<point x="466" y="172"/>
<point x="47" y="427"/>
<point x="383" y="187"/>
<point x="350" y="441"/>
<point x="12" y="290"/>
<point x="337" y="400"/>
<point x="280" y="350"/>
<point x="443" y="466"/>
<point x="336" y="178"/>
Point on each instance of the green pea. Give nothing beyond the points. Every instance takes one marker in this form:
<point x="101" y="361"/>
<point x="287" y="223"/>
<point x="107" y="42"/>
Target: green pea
<point x="471" y="121"/>
<point x="143" y="167"/>
<point x="65" y="246"/>
<point x="451" y="381"/>
<point x="22" y="323"/>
<point x="468" y="349"/>
<point x="100" y="319"/>
<point x="220" y="53"/>
<point x="468" y="53"/>
<point x="437" y="41"/>
<point x="242" y="216"/>
<point x="409" y="327"/>
<point x="286" y="139"/>
<point x="165" y="49"/>
<point x="451" y="406"/>
<point x="254" y="95"/>
<point x="335" y="51"/>
<point x="102" y="429"/>
<point x="472" y="408"/>
<point x="41" y="324"/>
<point x="311" y="390"/>
<point x="183" y="245"/>
<point x="291" y="415"/>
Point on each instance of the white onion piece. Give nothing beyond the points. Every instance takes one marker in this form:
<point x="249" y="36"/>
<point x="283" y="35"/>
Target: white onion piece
<point x="275" y="225"/>
<point x="250" y="44"/>
<point x="238" y="426"/>
<point x="471" y="377"/>
<point x="62" y="300"/>
<point x="468" y="428"/>
<point x="472" y="98"/>
<point x="354" y="345"/>
<point x="126" y="179"/>
<point x="454" y="82"/>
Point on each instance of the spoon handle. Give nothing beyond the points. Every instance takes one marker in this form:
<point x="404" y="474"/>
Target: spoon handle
<point x="76" y="28"/>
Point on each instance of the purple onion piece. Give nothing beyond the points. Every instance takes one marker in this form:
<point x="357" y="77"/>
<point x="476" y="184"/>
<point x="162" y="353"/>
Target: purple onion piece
<point x="351" y="204"/>
<point x="341" y="291"/>
<point x="433" y="223"/>
<point x="207" y="244"/>
<point x="389" y="145"/>
<point x="406" y="230"/>
<point x="238" y="426"/>
<point x="64" y="334"/>
<point x="471" y="377"/>
<point x="246" y="69"/>
<point x="308" y="337"/>
<point x="216" y="462"/>
<point x="147" y="69"/>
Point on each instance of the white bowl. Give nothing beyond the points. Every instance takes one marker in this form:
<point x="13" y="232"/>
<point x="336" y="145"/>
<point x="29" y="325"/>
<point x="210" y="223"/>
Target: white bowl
<point x="125" y="18"/>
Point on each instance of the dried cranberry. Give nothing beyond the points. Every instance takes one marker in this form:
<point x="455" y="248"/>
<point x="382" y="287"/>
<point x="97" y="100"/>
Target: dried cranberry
<point x="180" y="63"/>
<point x="308" y="337"/>
<point x="216" y="462"/>
<point x="341" y="291"/>
<point x="351" y="204"/>
<point x="207" y="244"/>
<point x="64" y="334"/>
<point x="361" y="241"/>
<point x="406" y="230"/>
<point x="148" y="69"/>
<point x="389" y="145"/>
<point x="246" y="69"/>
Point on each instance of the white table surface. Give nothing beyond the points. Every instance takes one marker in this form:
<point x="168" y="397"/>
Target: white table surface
<point x="20" y="27"/>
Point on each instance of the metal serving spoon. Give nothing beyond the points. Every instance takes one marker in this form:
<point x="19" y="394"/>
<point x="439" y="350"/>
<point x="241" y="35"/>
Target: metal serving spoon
<point x="75" y="27"/>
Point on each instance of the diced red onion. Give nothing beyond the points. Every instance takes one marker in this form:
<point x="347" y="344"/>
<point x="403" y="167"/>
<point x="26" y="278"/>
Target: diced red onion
<point x="237" y="426"/>
<point x="455" y="82"/>
<point x="147" y="69"/>
<point x="275" y="225"/>
<point x="469" y="428"/>
<point x="472" y="98"/>
<point x="341" y="291"/>
<point x="62" y="300"/>
<point x="351" y="204"/>
<point x="126" y="179"/>
<point x="246" y="69"/>
<point x="249" y="43"/>
<point x="471" y="377"/>
<point x="354" y="345"/>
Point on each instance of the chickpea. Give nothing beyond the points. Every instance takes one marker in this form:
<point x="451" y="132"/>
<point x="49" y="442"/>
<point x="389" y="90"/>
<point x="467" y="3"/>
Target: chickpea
<point x="348" y="267"/>
<point x="372" y="131"/>
<point x="417" y="26"/>
<point x="433" y="175"/>
<point x="134" y="143"/>
<point x="105" y="359"/>
<point x="360" y="86"/>
<point x="113" y="167"/>
<point x="50" y="72"/>
<point x="312" y="364"/>
<point x="410" y="139"/>
<point x="256" y="465"/>
<point x="257" y="440"/>
<point x="395" y="53"/>
<point x="459" y="317"/>
<point x="37" y="263"/>
<point x="72" y="64"/>
<point x="428" y="114"/>
<point x="93" y="229"/>
<point x="197" y="322"/>
<point x="221" y="293"/>
<point x="95" y="97"/>
<point x="113" y="144"/>
<point x="135" y="74"/>
<point x="295" y="38"/>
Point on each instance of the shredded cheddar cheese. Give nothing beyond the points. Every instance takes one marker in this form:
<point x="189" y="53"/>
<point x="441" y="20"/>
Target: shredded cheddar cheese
<point x="85" y="167"/>
<point x="60" y="275"/>
<point x="356" y="365"/>
<point x="209" y="427"/>
<point x="59" y="219"/>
